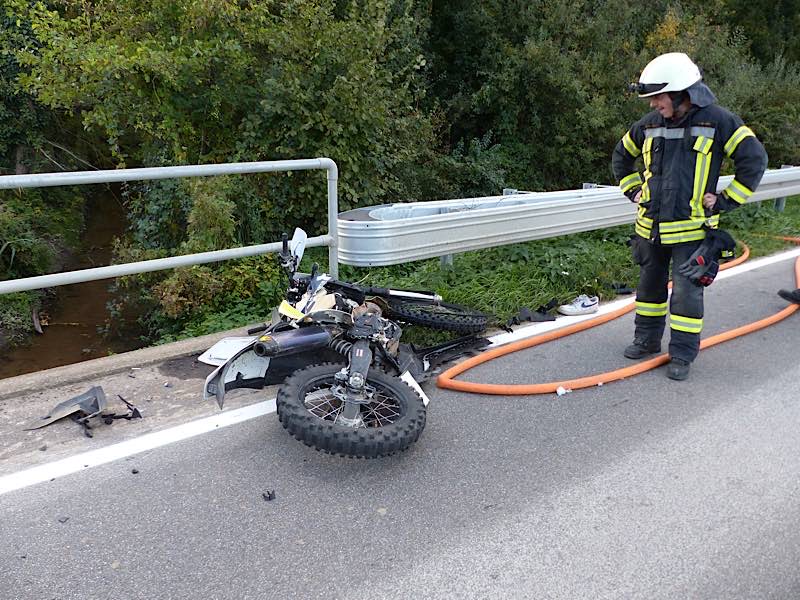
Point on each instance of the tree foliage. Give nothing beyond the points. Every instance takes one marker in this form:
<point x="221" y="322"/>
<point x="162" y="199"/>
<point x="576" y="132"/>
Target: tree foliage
<point x="220" y="80"/>
<point x="547" y="78"/>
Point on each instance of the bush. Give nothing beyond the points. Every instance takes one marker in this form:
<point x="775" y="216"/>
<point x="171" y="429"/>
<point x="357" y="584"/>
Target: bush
<point x="15" y="318"/>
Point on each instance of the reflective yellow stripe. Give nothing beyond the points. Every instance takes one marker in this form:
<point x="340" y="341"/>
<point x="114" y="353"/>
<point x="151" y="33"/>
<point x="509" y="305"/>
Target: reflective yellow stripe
<point x="644" y="225"/>
<point x="676" y="226"/>
<point x="649" y="309"/>
<point x="703" y="144"/>
<point x="648" y="144"/>
<point x="688" y="236"/>
<point x="645" y="187"/>
<point x="738" y="192"/>
<point x="701" y="169"/>
<point x="630" y="145"/>
<point x="629" y="182"/>
<point x="738" y="135"/>
<point x="688" y="324"/>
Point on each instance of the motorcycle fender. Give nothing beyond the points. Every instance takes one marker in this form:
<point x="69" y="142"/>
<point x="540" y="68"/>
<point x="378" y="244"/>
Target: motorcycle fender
<point x="244" y="369"/>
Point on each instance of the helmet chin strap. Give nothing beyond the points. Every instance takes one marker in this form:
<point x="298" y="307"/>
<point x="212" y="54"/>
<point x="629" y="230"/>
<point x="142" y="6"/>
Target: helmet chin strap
<point x="677" y="100"/>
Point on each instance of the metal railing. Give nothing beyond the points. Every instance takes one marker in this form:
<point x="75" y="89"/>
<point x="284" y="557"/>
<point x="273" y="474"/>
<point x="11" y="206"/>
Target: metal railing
<point x="115" y="176"/>
<point x="392" y="233"/>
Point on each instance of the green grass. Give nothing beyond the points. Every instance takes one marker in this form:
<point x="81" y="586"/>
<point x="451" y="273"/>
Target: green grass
<point x="502" y="280"/>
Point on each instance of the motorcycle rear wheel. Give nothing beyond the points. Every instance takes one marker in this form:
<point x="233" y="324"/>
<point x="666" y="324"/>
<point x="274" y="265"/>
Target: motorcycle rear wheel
<point x="442" y="315"/>
<point x="308" y="409"/>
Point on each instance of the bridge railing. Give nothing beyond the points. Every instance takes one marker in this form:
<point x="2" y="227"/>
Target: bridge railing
<point x="119" y="175"/>
<point x="391" y="233"/>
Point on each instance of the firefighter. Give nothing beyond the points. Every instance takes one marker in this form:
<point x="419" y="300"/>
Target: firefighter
<point x="682" y="143"/>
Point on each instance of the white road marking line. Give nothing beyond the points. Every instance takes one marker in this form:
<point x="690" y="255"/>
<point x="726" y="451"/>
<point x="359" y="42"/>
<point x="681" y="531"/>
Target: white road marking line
<point x="93" y="458"/>
<point x="79" y="462"/>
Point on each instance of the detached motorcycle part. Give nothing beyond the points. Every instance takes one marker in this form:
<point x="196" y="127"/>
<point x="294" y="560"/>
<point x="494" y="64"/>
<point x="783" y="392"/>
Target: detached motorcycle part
<point x="311" y="401"/>
<point x="290" y="342"/>
<point x="442" y="315"/>
<point x="87" y="404"/>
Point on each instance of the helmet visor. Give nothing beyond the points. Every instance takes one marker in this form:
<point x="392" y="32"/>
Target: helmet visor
<point x="647" y="89"/>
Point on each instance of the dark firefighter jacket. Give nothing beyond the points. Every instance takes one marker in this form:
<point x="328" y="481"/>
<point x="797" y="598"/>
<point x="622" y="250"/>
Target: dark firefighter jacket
<point x="681" y="163"/>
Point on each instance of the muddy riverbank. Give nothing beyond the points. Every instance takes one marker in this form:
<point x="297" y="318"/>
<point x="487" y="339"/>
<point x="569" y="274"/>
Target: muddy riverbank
<point x="74" y="321"/>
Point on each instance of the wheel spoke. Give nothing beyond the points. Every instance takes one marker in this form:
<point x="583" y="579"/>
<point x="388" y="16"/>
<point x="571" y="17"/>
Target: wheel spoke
<point x="381" y="410"/>
<point x="324" y="404"/>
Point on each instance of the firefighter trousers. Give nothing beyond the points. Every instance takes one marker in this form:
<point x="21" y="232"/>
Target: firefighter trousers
<point x="685" y="305"/>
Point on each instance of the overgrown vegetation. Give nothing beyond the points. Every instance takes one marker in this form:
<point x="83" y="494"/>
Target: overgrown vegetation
<point x="500" y="280"/>
<point x="38" y="227"/>
<point x="414" y="99"/>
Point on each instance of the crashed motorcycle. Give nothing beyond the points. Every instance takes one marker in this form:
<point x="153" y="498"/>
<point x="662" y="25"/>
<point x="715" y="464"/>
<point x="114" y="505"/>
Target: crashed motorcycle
<point x="349" y="386"/>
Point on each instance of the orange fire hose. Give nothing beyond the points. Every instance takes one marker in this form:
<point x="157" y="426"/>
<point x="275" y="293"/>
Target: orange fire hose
<point x="446" y="379"/>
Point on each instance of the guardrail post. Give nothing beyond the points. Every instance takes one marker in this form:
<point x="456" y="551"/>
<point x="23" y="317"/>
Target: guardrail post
<point x="446" y="261"/>
<point x="780" y="203"/>
<point x="333" y="215"/>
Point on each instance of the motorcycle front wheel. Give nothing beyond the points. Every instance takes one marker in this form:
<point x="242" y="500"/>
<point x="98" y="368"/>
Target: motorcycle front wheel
<point x="390" y="421"/>
<point x="442" y="315"/>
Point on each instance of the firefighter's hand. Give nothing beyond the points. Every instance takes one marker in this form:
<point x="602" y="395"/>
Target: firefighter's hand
<point x="637" y="197"/>
<point x="709" y="200"/>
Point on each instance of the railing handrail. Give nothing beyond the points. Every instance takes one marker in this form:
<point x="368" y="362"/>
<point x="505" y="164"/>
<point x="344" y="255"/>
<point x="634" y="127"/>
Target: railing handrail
<point x="117" y="175"/>
<point x="33" y="180"/>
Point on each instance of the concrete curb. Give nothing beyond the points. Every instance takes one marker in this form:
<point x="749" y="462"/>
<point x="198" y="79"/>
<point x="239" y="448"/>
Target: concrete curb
<point x="108" y="365"/>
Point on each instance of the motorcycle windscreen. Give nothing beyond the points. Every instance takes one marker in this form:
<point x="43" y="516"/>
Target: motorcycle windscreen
<point x="298" y="244"/>
<point x="245" y="370"/>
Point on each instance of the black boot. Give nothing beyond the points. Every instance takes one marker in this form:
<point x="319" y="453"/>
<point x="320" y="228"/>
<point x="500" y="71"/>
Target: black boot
<point x="790" y="296"/>
<point x="678" y="369"/>
<point x="641" y="348"/>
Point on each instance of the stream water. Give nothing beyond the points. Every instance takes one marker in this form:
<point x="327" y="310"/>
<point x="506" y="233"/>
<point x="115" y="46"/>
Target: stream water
<point x="79" y="311"/>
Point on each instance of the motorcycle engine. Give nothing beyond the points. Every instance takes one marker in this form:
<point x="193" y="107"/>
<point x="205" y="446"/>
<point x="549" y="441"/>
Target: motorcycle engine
<point x="368" y="323"/>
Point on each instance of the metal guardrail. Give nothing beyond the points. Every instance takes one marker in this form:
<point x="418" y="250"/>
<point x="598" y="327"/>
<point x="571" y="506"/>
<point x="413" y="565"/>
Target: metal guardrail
<point x="392" y="233"/>
<point x="114" y="176"/>
<point x="396" y="233"/>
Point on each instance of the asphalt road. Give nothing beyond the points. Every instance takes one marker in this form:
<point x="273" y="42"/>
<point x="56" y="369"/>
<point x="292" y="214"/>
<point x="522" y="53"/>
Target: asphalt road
<point x="644" y="488"/>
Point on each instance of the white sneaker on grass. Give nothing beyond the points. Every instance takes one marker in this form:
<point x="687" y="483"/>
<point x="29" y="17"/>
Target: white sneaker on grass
<point x="582" y="305"/>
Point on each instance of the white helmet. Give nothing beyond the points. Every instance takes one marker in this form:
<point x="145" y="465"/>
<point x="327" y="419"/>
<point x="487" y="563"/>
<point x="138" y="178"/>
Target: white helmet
<point x="671" y="72"/>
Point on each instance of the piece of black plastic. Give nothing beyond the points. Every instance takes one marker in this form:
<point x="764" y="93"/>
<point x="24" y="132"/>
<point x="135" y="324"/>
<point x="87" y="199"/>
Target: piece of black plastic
<point x="526" y="314"/>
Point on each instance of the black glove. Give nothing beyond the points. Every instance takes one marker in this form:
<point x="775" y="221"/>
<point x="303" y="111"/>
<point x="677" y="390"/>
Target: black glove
<point x="700" y="269"/>
<point x="703" y="266"/>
